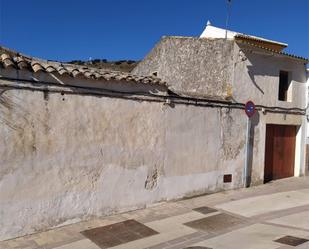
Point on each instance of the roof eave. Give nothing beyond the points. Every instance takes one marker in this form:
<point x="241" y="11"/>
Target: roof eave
<point x="255" y="38"/>
<point x="17" y="61"/>
<point x="306" y="60"/>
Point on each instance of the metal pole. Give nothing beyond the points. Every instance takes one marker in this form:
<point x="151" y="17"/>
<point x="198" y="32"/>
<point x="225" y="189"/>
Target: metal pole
<point x="247" y="155"/>
<point x="229" y="2"/>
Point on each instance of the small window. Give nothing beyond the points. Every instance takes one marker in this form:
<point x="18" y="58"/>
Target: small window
<point x="284" y="84"/>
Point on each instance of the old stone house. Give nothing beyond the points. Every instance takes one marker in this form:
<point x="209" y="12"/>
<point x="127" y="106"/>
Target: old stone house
<point x="79" y="142"/>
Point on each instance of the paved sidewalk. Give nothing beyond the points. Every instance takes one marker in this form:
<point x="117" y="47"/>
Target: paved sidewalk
<point x="270" y="216"/>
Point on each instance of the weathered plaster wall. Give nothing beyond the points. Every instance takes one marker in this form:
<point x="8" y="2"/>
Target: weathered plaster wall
<point x="192" y="66"/>
<point x="256" y="78"/>
<point x="236" y="72"/>
<point x="66" y="158"/>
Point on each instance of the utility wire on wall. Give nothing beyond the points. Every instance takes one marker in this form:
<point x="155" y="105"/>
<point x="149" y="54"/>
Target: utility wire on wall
<point x="172" y="98"/>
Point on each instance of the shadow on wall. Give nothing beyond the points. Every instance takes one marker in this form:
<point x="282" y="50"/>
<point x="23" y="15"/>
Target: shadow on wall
<point x="254" y="122"/>
<point x="252" y="71"/>
<point x="257" y="68"/>
<point x="266" y="65"/>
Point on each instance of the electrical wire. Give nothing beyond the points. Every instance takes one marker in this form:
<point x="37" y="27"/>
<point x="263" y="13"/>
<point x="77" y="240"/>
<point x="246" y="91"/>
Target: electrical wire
<point x="142" y="96"/>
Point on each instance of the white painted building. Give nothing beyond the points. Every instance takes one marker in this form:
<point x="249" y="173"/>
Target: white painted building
<point x="215" y="32"/>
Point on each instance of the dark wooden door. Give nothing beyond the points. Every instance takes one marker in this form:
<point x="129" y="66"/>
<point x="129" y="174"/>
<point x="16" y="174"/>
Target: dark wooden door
<point x="279" y="151"/>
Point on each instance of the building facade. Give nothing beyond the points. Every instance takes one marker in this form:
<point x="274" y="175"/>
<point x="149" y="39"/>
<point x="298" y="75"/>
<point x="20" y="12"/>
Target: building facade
<point x="237" y="69"/>
<point x="80" y="142"/>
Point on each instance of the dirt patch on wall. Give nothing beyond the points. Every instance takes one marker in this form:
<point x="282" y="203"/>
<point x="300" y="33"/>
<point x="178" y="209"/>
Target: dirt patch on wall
<point x="152" y="178"/>
<point x="232" y="141"/>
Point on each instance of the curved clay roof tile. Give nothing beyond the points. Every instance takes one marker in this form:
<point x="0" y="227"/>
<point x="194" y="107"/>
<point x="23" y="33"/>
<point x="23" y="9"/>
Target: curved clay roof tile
<point x="106" y="76"/>
<point x="76" y="73"/>
<point x="145" y="80"/>
<point x="7" y="61"/>
<point x="120" y="77"/>
<point x="36" y="67"/>
<point x="129" y="78"/>
<point x="50" y="69"/>
<point x="87" y="74"/>
<point x="97" y="75"/>
<point x="62" y="71"/>
<point x="21" y="63"/>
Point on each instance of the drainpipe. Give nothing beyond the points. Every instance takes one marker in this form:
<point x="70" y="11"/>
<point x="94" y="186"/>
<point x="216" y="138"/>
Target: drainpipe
<point x="306" y="130"/>
<point x="246" y="174"/>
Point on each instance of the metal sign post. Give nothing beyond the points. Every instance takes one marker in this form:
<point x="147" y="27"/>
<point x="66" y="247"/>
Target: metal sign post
<point x="250" y="111"/>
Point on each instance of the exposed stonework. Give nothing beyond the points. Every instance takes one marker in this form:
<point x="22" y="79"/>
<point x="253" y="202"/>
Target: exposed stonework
<point x="192" y="66"/>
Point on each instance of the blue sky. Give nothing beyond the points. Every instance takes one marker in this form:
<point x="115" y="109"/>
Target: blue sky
<point x="127" y="29"/>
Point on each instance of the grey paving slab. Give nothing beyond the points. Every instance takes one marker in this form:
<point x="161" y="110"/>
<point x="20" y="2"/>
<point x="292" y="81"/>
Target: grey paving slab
<point x="215" y="223"/>
<point x="257" y="236"/>
<point x="118" y="233"/>
<point x="285" y="216"/>
<point x="205" y="210"/>
<point x="291" y="240"/>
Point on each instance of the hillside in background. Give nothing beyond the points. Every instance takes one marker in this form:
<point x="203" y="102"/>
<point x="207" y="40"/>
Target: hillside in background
<point x="121" y="65"/>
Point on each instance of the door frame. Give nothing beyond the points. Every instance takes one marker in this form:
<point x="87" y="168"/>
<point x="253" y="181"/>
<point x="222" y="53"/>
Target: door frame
<point x="298" y="165"/>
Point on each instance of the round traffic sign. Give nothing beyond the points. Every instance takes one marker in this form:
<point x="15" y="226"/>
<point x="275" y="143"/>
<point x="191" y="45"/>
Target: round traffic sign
<point x="250" y="108"/>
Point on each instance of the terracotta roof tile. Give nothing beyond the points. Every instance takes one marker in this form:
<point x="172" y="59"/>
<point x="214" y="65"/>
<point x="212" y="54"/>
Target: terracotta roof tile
<point x="36" y="67"/>
<point x="50" y="69"/>
<point x="255" y="38"/>
<point x="72" y="70"/>
<point x="276" y="52"/>
<point x="21" y="63"/>
<point x="7" y="61"/>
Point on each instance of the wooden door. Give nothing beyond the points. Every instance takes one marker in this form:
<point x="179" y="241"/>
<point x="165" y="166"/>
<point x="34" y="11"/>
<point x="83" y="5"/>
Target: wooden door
<point x="279" y="151"/>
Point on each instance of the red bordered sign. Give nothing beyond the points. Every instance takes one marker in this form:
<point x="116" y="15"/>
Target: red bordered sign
<point x="250" y="108"/>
